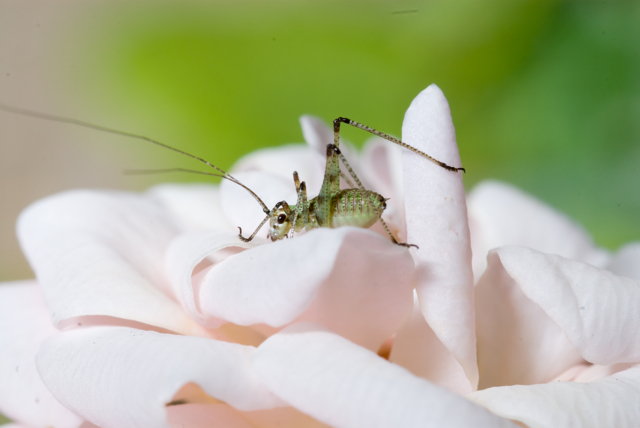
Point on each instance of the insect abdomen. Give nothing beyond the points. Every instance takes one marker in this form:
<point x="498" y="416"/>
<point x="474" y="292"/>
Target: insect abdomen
<point x="356" y="207"/>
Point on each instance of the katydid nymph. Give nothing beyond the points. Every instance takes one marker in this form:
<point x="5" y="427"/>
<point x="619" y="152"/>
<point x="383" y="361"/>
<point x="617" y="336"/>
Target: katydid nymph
<point x="333" y="207"/>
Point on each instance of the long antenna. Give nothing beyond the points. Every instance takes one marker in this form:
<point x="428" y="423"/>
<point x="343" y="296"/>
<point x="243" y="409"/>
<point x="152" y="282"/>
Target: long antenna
<point x="37" y="115"/>
<point x="193" y="171"/>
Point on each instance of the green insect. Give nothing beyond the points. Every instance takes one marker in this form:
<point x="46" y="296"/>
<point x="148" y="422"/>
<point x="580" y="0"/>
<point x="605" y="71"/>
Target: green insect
<point x="333" y="207"/>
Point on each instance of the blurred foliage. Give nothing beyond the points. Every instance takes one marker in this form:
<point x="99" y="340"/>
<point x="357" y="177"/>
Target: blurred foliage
<point x="544" y="95"/>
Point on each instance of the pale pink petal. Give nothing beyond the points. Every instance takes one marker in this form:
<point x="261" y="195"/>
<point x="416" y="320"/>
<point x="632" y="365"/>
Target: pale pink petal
<point x="193" y="207"/>
<point x="198" y="415"/>
<point x="417" y="349"/>
<point x="100" y="253"/>
<point x="610" y="402"/>
<point x="550" y="301"/>
<point x="500" y="214"/>
<point x="121" y="377"/>
<point x="190" y="250"/>
<point x="437" y="222"/>
<point x="571" y="373"/>
<point x="24" y="325"/>
<point x="282" y="417"/>
<point x="626" y="262"/>
<point x="586" y="372"/>
<point x="282" y="162"/>
<point x="348" y="279"/>
<point x="345" y="385"/>
<point x="517" y="341"/>
<point x="12" y="425"/>
<point x="317" y="135"/>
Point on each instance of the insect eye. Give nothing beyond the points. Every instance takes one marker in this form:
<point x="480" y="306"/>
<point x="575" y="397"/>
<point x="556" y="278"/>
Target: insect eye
<point x="281" y="218"/>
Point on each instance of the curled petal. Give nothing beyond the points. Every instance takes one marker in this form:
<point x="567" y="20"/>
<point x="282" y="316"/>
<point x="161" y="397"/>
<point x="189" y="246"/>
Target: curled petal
<point x="610" y="402"/>
<point x="345" y="385"/>
<point x="517" y="341"/>
<point x="500" y="214"/>
<point x="555" y="305"/>
<point x="188" y="251"/>
<point x="417" y="349"/>
<point x="98" y="253"/>
<point x="437" y="222"/>
<point x="193" y="207"/>
<point x="24" y="325"/>
<point x="120" y="377"/>
<point x="348" y="279"/>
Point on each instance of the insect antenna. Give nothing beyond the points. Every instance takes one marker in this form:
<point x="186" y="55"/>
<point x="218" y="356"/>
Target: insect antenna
<point x="226" y="175"/>
<point x="193" y="171"/>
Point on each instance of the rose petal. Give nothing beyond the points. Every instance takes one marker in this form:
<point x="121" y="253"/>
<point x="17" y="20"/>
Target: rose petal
<point x="596" y="372"/>
<point x="282" y="161"/>
<point x="121" y="377"/>
<point x="517" y="341"/>
<point x="185" y="253"/>
<point x="344" y="385"/>
<point x="193" y="207"/>
<point x="626" y="262"/>
<point x="437" y="223"/>
<point x="24" y="324"/>
<point x="101" y="253"/>
<point x="417" y="349"/>
<point x="199" y="415"/>
<point x="610" y="402"/>
<point x="282" y="417"/>
<point x="348" y="279"/>
<point x="501" y="214"/>
<point x="595" y="309"/>
<point x="317" y="135"/>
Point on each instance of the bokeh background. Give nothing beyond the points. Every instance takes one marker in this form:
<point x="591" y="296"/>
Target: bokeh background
<point x="545" y="95"/>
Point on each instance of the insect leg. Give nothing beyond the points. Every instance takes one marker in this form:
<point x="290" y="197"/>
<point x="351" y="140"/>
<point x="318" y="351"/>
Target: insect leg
<point x="351" y="172"/>
<point x="254" y="233"/>
<point x="296" y="180"/>
<point x="336" y="129"/>
<point x="344" y="176"/>
<point x="302" y="210"/>
<point x="330" y="186"/>
<point x="336" y="137"/>
<point x="393" y="239"/>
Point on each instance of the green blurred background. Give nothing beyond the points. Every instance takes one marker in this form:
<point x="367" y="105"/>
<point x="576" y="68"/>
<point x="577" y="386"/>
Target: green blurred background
<point x="544" y="95"/>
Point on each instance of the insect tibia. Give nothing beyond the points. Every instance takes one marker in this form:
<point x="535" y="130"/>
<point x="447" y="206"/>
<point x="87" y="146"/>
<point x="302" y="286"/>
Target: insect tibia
<point x="336" y="141"/>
